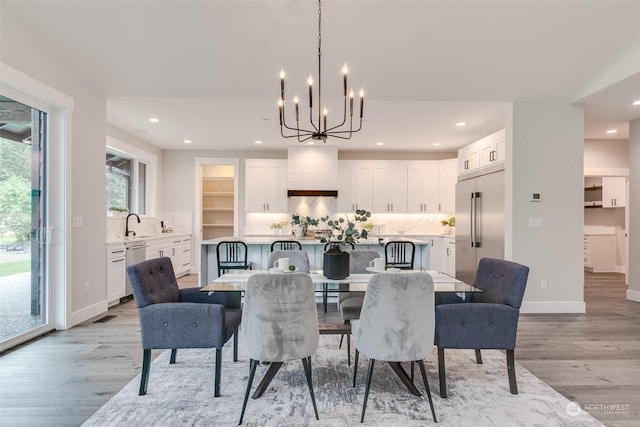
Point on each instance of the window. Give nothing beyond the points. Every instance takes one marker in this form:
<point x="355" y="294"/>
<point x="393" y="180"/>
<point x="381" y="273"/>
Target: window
<point x="125" y="183"/>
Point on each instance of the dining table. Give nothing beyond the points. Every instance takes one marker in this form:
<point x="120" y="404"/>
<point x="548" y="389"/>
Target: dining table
<point x="236" y="281"/>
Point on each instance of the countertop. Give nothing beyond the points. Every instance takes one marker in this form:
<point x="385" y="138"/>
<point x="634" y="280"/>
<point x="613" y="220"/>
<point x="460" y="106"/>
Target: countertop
<point x="373" y="240"/>
<point x="123" y="240"/>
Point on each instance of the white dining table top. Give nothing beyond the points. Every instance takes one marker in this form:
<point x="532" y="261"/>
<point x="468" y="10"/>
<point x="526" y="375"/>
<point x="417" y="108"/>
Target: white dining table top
<point x="237" y="281"/>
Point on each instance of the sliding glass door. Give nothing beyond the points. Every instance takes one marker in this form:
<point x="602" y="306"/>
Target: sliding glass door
<point x="24" y="290"/>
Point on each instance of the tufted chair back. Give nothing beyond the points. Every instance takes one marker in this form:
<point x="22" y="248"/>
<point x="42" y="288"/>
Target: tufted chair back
<point x="153" y="282"/>
<point x="502" y="282"/>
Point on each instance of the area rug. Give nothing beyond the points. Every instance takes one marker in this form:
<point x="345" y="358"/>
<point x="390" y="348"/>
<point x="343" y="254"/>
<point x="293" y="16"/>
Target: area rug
<point x="182" y="394"/>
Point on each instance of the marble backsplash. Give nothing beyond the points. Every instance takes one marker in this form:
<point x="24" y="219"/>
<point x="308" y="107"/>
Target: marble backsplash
<point x="316" y="207"/>
<point x="182" y="222"/>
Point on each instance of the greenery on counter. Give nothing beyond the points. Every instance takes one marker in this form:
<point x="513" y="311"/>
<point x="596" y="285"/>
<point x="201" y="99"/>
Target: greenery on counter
<point x="451" y="222"/>
<point x="303" y="220"/>
<point x="345" y="230"/>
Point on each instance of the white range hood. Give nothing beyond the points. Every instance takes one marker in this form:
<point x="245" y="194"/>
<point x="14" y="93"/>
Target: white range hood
<point x="312" y="171"/>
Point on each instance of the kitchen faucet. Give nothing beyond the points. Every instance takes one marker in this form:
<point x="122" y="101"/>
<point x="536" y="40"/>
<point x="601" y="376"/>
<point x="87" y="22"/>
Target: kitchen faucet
<point x="126" y="221"/>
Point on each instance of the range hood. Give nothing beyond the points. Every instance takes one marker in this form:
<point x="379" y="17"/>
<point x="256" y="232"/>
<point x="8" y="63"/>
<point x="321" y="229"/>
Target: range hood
<point x="312" y="172"/>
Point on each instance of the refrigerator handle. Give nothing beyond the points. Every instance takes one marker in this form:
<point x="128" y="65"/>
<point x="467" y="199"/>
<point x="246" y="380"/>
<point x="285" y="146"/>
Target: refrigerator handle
<point x="472" y="234"/>
<point x="476" y="235"/>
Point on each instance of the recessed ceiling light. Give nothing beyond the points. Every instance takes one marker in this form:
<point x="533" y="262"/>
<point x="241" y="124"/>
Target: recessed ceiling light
<point x="379" y="143"/>
<point x="311" y="142"/>
<point x="258" y="142"/>
<point x="460" y="124"/>
<point x="636" y="102"/>
<point x="154" y="120"/>
<point x="187" y="141"/>
<point x="436" y="144"/>
<point x="610" y="131"/>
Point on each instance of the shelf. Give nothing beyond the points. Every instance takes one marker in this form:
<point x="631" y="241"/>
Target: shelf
<point x="217" y="178"/>
<point x="593" y="188"/>
<point x="218" y="193"/>
<point x="217" y="225"/>
<point x="217" y="209"/>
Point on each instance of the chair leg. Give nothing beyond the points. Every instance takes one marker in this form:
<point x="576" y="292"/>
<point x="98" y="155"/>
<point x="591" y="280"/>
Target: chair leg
<point x="174" y="353"/>
<point x="349" y="349"/>
<point x="346" y="322"/>
<point x="366" y="389"/>
<point x="478" y="356"/>
<point x="146" y="363"/>
<point x="235" y="347"/>
<point x="306" y="363"/>
<point x="355" y="367"/>
<point x="426" y="386"/>
<point x="218" y="372"/>
<point x="511" y="370"/>
<point x="441" y="373"/>
<point x="325" y="298"/>
<point x="412" y="369"/>
<point x="252" y="372"/>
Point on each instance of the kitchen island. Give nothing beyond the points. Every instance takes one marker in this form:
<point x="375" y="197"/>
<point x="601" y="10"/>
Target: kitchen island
<point x="259" y="247"/>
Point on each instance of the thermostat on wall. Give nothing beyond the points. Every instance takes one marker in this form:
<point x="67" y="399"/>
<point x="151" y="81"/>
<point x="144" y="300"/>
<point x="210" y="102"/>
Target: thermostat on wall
<point x="536" y="197"/>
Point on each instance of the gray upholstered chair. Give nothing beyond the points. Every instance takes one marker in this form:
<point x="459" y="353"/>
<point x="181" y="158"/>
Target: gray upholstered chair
<point x="489" y="320"/>
<point x="396" y="325"/>
<point x="350" y="303"/>
<point x="298" y="258"/>
<point x="279" y="324"/>
<point x="180" y="318"/>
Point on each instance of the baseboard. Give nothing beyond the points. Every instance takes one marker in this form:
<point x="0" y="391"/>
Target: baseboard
<point x="621" y="269"/>
<point x="578" y="307"/>
<point x="87" y="313"/>
<point x="633" y="295"/>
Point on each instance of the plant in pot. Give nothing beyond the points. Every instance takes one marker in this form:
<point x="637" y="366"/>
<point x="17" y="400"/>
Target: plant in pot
<point x="300" y="224"/>
<point x="449" y="225"/>
<point x="117" y="212"/>
<point x="344" y="230"/>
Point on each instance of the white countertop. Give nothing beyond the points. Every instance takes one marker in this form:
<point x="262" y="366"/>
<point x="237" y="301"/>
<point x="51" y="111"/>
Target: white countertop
<point x="268" y="239"/>
<point x="122" y="240"/>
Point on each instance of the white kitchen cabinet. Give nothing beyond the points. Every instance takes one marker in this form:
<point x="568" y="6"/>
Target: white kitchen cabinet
<point x="600" y="253"/>
<point x="422" y="186"/>
<point x="436" y="253"/>
<point x="450" y="255"/>
<point x="469" y="158"/>
<point x="116" y="272"/>
<point x="389" y="187"/>
<point x="354" y="185"/>
<point x="176" y="248"/>
<point x="447" y="179"/>
<point x="265" y="185"/>
<point x="613" y="192"/>
<point x="492" y="149"/>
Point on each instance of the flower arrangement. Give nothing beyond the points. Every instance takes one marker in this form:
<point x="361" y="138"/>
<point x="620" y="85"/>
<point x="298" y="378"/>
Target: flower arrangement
<point x="344" y="230"/>
<point x="302" y="220"/>
<point x="278" y="225"/>
<point x="451" y="222"/>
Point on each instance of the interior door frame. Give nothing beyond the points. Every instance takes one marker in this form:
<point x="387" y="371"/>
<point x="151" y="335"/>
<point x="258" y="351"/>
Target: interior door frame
<point x="197" y="223"/>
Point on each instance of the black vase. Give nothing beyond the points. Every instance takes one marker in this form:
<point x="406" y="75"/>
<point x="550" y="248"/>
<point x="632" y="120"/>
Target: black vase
<point x="335" y="263"/>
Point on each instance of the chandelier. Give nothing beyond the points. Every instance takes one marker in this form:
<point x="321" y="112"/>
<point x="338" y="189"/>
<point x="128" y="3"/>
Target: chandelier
<point x="321" y="131"/>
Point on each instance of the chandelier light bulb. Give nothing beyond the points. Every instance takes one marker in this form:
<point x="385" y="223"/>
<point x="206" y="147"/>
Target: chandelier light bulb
<point x="310" y="80"/>
<point x="345" y="70"/>
<point x="282" y="74"/>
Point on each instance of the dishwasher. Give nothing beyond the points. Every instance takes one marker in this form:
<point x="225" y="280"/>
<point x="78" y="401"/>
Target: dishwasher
<point x="136" y="252"/>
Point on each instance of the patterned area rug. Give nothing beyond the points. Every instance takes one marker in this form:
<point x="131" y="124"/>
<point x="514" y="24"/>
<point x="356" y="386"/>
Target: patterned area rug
<point x="182" y="394"/>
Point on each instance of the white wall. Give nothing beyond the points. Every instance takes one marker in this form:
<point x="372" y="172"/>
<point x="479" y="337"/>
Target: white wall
<point x="605" y="156"/>
<point x="545" y="154"/>
<point x="633" y="292"/>
<point x="86" y="254"/>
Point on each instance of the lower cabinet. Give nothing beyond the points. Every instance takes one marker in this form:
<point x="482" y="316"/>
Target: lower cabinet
<point x="450" y="255"/>
<point x="600" y="253"/>
<point x="116" y="272"/>
<point x="177" y="248"/>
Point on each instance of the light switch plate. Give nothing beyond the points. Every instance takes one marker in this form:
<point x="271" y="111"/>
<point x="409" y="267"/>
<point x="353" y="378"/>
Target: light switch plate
<point x="535" y="222"/>
<point x="76" y="222"/>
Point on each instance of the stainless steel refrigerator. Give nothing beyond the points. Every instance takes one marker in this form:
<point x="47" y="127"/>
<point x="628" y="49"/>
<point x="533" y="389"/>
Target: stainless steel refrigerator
<point x="479" y="222"/>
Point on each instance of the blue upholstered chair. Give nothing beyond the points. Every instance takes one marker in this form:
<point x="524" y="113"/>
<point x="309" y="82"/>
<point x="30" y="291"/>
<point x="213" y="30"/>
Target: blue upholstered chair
<point x="396" y="325"/>
<point x="489" y="320"/>
<point x="180" y="318"/>
<point x="279" y="324"/>
<point x="350" y="303"/>
<point x="298" y="258"/>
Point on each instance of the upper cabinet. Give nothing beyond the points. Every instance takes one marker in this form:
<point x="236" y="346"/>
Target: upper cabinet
<point x="447" y="179"/>
<point x="613" y="192"/>
<point x="486" y="152"/>
<point x="354" y="185"/>
<point x="265" y="185"/>
<point x="422" y="186"/>
<point x="389" y="184"/>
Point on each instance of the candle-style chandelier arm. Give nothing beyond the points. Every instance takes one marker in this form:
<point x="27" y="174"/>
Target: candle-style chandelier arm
<point x="317" y="133"/>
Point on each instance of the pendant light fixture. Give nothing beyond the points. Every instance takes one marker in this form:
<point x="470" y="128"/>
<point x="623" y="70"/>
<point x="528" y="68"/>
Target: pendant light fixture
<point x="321" y="131"/>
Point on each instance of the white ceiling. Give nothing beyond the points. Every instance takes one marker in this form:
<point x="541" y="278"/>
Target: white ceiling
<point x="209" y="69"/>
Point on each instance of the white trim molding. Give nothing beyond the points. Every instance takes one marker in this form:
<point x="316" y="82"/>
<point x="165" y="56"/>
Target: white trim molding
<point x="548" y="307"/>
<point x="87" y="313"/>
<point x="633" y="295"/>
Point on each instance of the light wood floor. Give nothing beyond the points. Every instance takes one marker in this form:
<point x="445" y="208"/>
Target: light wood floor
<point x="594" y="359"/>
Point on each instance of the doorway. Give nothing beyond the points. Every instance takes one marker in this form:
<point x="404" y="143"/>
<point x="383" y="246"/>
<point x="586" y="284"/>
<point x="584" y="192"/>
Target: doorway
<point x="24" y="232"/>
